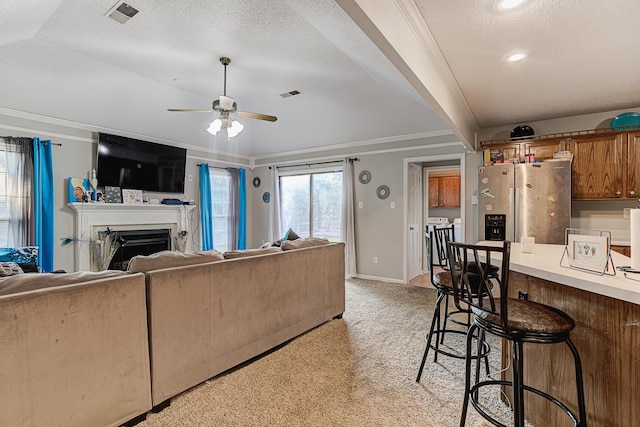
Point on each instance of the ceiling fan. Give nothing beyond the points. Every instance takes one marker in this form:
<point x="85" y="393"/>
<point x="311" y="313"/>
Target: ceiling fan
<point x="226" y="105"/>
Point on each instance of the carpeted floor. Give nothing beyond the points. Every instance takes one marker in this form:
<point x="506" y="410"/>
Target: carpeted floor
<point x="356" y="371"/>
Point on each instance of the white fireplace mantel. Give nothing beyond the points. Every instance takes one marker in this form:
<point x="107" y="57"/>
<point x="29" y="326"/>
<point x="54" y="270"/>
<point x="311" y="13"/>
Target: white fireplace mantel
<point x="91" y="218"/>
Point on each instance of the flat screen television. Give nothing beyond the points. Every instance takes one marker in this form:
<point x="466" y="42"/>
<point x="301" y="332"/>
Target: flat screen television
<point x="131" y="163"/>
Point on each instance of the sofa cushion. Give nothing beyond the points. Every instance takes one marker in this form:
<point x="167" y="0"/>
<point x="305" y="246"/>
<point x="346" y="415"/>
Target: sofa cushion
<point x="168" y="259"/>
<point x="32" y="281"/>
<point x="250" y="252"/>
<point x="304" y="242"/>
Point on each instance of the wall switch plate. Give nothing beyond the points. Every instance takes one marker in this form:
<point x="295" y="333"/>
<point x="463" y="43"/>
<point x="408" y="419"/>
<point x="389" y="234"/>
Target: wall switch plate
<point x="360" y="204"/>
<point x="375" y="259"/>
<point x="626" y="213"/>
<point x="393" y="205"/>
<point x="474" y="200"/>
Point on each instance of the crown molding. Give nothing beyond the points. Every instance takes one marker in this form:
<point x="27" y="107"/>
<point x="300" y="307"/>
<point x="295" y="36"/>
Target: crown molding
<point x="92" y="128"/>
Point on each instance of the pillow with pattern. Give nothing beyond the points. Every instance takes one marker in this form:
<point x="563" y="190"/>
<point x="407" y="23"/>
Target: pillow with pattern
<point x="9" y="269"/>
<point x="26" y="257"/>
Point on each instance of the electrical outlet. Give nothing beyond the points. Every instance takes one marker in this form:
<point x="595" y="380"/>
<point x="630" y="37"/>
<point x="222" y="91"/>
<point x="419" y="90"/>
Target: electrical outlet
<point x="375" y="259"/>
<point x="626" y="213"/>
<point x="523" y="295"/>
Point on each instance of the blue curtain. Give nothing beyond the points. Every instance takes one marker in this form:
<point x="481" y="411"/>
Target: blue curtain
<point x="206" y="208"/>
<point x="43" y="202"/>
<point x="242" y="208"/>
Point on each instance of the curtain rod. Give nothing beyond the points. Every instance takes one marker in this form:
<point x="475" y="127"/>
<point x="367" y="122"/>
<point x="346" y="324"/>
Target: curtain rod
<point x="351" y="159"/>
<point x="41" y="142"/>
<point x="214" y="167"/>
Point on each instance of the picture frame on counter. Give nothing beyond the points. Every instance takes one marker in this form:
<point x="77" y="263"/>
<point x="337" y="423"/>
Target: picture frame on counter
<point x="588" y="250"/>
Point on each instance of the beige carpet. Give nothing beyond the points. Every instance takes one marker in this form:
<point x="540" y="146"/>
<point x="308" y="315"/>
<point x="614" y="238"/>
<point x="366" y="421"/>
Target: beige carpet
<point x="356" y="371"/>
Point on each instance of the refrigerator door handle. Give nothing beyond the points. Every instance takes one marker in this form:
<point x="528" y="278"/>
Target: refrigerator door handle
<point x="516" y="216"/>
<point x="509" y="219"/>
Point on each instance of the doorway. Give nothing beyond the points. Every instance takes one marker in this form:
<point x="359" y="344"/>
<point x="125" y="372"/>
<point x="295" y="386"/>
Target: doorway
<point x="414" y="236"/>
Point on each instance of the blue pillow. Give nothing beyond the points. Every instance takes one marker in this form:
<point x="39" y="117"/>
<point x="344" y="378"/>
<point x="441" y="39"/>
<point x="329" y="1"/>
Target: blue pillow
<point x="26" y="257"/>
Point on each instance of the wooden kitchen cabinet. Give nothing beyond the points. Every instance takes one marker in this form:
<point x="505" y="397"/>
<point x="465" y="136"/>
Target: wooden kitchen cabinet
<point x="444" y="191"/>
<point x="545" y="149"/>
<point x="624" y="250"/>
<point x="606" y="166"/>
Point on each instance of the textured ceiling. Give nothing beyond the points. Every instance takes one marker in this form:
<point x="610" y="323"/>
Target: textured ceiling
<point x="65" y="59"/>
<point x="582" y="56"/>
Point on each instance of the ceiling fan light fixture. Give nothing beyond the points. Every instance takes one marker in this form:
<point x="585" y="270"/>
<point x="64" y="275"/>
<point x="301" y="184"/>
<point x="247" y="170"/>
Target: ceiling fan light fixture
<point x="235" y="128"/>
<point x="215" y="127"/>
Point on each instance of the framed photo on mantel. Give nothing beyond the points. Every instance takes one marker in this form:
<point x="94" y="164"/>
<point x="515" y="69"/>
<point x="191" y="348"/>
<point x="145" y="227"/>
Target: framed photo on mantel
<point x="131" y="197"/>
<point x="112" y="194"/>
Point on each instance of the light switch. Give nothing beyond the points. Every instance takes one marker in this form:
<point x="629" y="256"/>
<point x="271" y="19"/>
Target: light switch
<point x="360" y="204"/>
<point x="393" y="205"/>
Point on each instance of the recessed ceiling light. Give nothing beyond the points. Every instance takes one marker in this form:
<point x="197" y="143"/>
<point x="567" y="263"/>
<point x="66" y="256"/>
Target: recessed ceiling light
<point x="508" y="4"/>
<point x="516" y="57"/>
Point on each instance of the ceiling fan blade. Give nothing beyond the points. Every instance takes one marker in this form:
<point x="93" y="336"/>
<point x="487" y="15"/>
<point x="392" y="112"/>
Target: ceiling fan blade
<point x="187" y="110"/>
<point x="257" y="116"/>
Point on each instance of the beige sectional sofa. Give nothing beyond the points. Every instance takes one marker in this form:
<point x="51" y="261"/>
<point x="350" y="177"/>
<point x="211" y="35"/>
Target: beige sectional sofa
<point x="207" y="318"/>
<point x="73" y="349"/>
<point x="102" y="349"/>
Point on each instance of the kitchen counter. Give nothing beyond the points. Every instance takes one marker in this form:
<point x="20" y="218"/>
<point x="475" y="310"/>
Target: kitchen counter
<point x="606" y="310"/>
<point x="544" y="263"/>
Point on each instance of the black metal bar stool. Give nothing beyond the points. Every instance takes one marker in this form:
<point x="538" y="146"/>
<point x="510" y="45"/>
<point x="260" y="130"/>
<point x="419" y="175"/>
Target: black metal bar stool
<point x="512" y="319"/>
<point x="437" y="242"/>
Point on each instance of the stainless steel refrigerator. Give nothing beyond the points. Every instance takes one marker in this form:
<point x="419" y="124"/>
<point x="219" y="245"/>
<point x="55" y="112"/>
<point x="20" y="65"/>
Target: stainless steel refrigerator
<point x="524" y="199"/>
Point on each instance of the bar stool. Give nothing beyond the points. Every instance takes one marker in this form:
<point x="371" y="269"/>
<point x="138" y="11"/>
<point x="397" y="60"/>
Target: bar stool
<point x="513" y="319"/>
<point x="437" y="242"/>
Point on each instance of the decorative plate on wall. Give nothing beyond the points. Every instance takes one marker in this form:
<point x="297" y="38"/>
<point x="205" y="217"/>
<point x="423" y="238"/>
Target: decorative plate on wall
<point x="266" y="197"/>
<point x="256" y="181"/>
<point x="383" y="192"/>
<point x="364" y="177"/>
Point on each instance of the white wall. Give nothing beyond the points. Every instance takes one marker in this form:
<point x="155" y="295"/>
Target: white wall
<point x="379" y="227"/>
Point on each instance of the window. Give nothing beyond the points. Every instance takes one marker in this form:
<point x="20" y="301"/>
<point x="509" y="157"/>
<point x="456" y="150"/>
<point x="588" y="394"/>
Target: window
<point x="220" y="201"/>
<point x="312" y="204"/>
<point x="4" y="201"/>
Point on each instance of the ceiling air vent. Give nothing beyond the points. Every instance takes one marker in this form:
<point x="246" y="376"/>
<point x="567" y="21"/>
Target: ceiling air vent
<point x="122" y="12"/>
<point x="291" y="93"/>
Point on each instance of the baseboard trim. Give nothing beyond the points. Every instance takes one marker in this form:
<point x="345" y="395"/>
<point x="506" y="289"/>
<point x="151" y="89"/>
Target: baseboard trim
<point x="380" y="279"/>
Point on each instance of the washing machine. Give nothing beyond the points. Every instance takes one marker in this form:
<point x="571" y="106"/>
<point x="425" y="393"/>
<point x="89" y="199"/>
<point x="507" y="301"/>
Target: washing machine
<point x="457" y="229"/>
<point x="432" y="223"/>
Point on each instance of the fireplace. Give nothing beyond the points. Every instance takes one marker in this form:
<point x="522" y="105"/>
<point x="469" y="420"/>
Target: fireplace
<point x="138" y="242"/>
<point x="93" y="218"/>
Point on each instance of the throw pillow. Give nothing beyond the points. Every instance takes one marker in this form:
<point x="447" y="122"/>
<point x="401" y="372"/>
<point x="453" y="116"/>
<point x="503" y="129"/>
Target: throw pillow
<point x="9" y="269"/>
<point x="290" y="235"/>
<point x="26" y="257"/>
<point x="168" y="259"/>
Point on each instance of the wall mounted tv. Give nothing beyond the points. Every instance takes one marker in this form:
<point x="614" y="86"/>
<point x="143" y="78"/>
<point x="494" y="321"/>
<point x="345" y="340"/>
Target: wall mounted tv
<point x="140" y="165"/>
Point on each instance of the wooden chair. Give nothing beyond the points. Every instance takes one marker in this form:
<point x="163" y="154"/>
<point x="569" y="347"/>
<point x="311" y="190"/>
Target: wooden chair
<point x="515" y="320"/>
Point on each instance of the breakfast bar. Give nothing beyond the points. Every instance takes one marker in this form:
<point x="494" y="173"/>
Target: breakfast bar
<point x="606" y="309"/>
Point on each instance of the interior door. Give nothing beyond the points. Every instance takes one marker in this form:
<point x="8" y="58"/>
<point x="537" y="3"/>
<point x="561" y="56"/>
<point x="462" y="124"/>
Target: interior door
<point x="414" y="234"/>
